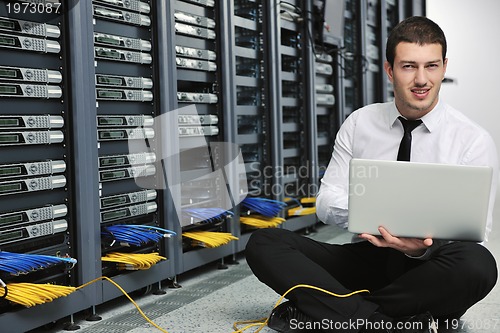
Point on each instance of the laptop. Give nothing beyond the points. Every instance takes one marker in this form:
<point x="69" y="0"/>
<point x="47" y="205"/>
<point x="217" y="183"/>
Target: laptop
<point x="421" y="200"/>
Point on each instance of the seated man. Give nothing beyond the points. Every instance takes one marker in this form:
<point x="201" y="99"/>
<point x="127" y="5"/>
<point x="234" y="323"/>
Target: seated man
<point x="413" y="283"/>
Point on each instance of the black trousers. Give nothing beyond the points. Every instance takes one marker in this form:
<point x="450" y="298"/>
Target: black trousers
<point x="456" y="276"/>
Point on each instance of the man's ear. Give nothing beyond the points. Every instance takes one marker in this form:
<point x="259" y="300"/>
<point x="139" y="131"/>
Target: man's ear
<point x="389" y="71"/>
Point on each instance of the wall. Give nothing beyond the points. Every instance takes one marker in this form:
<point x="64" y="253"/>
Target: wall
<point x="472" y="30"/>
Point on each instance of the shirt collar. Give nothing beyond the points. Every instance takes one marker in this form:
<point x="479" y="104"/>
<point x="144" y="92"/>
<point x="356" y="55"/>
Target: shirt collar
<point x="430" y="120"/>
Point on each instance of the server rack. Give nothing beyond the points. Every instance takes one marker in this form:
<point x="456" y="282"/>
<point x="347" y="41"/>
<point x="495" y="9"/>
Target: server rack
<point x="392" y="13"/>
<point x="35" y="114"/>
<point x="329" y="102"/>
<point x="416" y="7"/>
<point x="39" y="125"/>
<point x="294" y="118"/>
<point x="367" y="26"/>
<point x="78" y="108"/>
<point x="352" y="61"/>
<point x="250" y="120"/>
<point x="371" y="29"/>
<point x="199" y="30"/>
<point x="329" y="99"/>
<point x="126" y="94"/>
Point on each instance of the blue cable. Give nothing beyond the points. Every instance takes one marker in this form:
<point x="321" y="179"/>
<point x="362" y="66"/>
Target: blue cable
<point x="19" y="263"/>
<point x="264" y="206"/>
<point x="166" y="232"/>
<point x="203" y="214"/>
<point x="135" y="235"/>
<point x="126" y="236"/>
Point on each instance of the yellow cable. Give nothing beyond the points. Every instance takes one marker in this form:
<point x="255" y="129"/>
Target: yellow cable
<point x="133" y="261"/>
<point x="209" y="239"/>
<point x="308" y="200"/>
<point x="262" y="221"/>
<point x="263" y="321"/>
<point x="299" y="211"/>
<point x="31" y="294"/>
<point x="126" y="295"/>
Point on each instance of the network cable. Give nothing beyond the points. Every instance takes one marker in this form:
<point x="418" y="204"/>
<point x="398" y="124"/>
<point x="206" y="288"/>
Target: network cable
<point x="209" y="239"/>
<point x="31" y="294"/>
<point x="126" y="295"/>
<point x="133" y="261"/>
<point x="308" y="200"/>
<point x="262" y="322"/>
<point x="204" y="214"/>
<point x="304" y="206"/>
<point x="262" y="221"/>
<point x="19" y="263"/>
<point x="135" y="235"/>
<point x="264" y="206"/>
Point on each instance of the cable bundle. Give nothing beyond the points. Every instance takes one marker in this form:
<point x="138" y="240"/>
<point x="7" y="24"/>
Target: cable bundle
<point x="304" y="206"/>
<point x="266" y="207"/>
<point x="30" y="294"/>
<point x="133" y="261"/>
<point x="262" y="221"/>
<point x="135" y="235"/>
<point x="209" y="215"/>
<point x="18" y="263"/>
<point x="209" y="238"/>
<point x="299" y="211"/>
<point x="308" y="200"/>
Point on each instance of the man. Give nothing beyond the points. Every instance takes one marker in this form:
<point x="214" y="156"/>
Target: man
<point x="412" y="282"/>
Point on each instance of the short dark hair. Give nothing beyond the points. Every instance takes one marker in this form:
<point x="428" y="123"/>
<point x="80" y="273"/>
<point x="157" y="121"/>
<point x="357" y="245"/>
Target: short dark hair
<point x="415" y="29"/>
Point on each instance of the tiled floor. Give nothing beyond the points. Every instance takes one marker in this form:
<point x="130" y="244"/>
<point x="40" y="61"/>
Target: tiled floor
<point x="211" y="300"/>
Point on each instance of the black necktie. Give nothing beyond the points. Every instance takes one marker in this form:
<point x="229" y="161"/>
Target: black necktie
<point x="405" y="145"/>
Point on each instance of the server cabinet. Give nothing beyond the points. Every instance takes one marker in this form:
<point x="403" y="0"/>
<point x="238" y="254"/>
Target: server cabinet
<point x="35" y="140"/>
<point x="416" y="7"/>
<point x="80" y="103"/>
<point x="40" y="184"/>
<point x="35" y="137"/>
<point x="329" y="103"/>
<point x="292" y="113"/>
<point x="127" y="107"/>
<point x="293" y="117"/>
<point x="205" y="197"/>
<point x="353" y="61"/>
<point x="327" y="81"/>
<point x="250" y="119"/>
<point x="392" y="12"/>
<point x="367" y="26"/>
<point x="371" y="35"/>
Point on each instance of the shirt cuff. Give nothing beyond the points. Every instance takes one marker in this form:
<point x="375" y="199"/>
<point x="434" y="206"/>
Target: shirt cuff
<point x="436" y="244"/>
<point x="424" y="256"/>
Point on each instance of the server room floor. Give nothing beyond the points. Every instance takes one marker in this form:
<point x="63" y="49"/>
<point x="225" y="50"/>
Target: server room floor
<point x="211" y="300"/>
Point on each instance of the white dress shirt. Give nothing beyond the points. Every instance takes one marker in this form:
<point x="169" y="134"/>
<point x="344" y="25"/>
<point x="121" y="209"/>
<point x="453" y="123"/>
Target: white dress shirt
<point x="374" y="132"/>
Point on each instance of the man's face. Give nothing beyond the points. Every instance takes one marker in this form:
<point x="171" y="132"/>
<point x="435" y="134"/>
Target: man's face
<point x="416" y="75"/>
